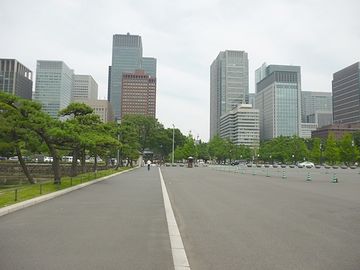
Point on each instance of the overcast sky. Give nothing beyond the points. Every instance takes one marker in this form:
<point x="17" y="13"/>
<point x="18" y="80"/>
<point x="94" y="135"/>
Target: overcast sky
<point x="185" y="36"/>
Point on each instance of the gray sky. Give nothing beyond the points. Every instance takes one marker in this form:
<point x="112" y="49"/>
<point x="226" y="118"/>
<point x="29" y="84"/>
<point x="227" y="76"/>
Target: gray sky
<point x="185" y="36"/>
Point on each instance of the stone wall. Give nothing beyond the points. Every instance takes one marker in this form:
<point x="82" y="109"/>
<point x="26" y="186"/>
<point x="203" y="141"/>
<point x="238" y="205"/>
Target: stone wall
<point x="12" y="171"/>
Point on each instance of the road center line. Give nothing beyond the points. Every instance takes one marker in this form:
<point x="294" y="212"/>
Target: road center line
<point x="177" y="247"/>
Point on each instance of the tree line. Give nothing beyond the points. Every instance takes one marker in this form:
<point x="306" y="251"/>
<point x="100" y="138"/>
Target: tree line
<point x="26" y="130"/>
<point x="290" y="150"/>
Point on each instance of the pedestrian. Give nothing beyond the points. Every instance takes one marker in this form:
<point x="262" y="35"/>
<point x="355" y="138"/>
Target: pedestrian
<point x="148" y="164"/>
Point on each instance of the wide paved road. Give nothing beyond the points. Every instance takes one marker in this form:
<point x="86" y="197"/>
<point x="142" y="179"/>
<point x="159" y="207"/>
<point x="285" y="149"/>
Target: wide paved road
<point x="227" y="220"/>
<point x="115" y="224"/>
<point x="235" y="221"/>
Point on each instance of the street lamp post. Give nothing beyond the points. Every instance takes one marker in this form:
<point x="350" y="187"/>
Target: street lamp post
<point x="293" y="159"/>
<point x="118" y="150"/>
<point x="173" y="145"/>
<point x="271" y="159"/>
<point x="118" y="153"/>
<point x="321" y="150"/>
<point x="353" y="151"/>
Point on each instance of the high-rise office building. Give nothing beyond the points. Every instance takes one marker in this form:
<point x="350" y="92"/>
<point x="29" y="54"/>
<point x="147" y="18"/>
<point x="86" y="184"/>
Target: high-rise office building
<point x="278" y="98"/>
<point x="109" y="83"/>
<point x="149" y="66"/>
<point x="252" y="99"/>
<point x="53" y="86"/>
<point x="312" y="102"/>
<point x="229" y="85"/>
<point x="138" y="95"/>
<point x="322" y="118"/>
<point x="346" y="95"/>
<point x="15" y="78"/>
<point x="84" y="88"/>
<point x="241" y="126"/>
<point x="127" y="56"/>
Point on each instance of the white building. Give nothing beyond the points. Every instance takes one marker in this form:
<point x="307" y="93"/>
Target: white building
<point x="102" y="108"/>
<point x="241" y="126"/>
<point x="229" y="85"/>
<point x="53" y="86"/>
<point x="306" y="128"/>
<point x="84" y="88"/>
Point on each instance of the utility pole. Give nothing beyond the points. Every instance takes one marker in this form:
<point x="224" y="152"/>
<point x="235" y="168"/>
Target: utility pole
<point x="173" y="144"/>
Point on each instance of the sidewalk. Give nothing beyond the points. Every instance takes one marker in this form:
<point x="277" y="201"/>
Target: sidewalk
<point x="115" y="224"/>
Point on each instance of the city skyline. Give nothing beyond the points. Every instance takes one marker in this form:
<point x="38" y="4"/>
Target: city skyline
<point x="185" y="41"/>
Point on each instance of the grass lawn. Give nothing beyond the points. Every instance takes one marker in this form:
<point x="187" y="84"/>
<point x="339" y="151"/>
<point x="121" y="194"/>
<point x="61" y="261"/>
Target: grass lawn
<point x="24" y="192"/>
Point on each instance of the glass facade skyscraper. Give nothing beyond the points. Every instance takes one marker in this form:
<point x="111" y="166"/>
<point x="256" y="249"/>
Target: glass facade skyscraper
<point x="53" y="86"/>
<point x="313" y="102"/>
<point x="229" y="85"/>
<point x="149" y="66"/>
<point x="15" y="78"/>
<point x="278" y="98"/>
<point x="346" y="95"/>
<point x="126" y="58"/>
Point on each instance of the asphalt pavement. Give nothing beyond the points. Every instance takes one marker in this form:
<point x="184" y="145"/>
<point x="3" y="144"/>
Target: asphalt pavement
<point x="115" y="224"/>
<point x="231" y="219"/>
<point x="228" y="218"/>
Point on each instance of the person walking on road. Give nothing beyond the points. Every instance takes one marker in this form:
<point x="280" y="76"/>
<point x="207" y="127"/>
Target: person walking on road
<point x="148" y="164"/>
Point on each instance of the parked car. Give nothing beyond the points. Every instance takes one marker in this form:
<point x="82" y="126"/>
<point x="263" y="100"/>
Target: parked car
<point x="48" y="159"/>
<point x="307" y="164"/>
<point x="15" y="158"/>
<point x="235" y="162"/>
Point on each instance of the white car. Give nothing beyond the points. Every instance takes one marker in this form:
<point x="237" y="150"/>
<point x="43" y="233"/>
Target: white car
<point x="307" y="164"/>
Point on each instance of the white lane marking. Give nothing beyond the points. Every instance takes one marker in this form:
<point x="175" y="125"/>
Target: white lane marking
<point x="177" y="247"/>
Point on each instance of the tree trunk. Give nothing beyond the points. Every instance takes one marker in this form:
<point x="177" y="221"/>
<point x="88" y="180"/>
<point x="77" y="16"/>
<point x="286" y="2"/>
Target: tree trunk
<point x="56" y="159"/>
<point x="56" y="167"/>
<point x="95" y="163"/>
<point x="74" y="162"/>
<point x="106" y="162"/>
<point x="83" y="160"/>
<point x="23" y="165"/>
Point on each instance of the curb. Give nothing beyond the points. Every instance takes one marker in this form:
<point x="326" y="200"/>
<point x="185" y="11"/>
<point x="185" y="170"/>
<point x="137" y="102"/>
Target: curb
<point x="21" y="205"/>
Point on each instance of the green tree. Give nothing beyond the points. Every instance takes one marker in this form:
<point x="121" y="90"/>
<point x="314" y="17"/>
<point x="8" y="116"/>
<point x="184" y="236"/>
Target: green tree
<point x="130" y="145"/>
<point x="203" y="151"/>
<point x="13" y="136"/>
<point x="348" y="150"/>
<point x="51" y="131"/>
<point x="331" y="150"/>
<point x="179" y="154"/>
<point x="80" y="120"/>
<point x="316" y="151"/>
<point x="146" y="126"/>
<point x="218" y="149"/>
<point x="189" y="148"/>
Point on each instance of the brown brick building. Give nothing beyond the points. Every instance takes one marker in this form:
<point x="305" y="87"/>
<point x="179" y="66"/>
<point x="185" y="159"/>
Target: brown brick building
<point x="138" y="94"/>
<point x="338" y="129"/>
